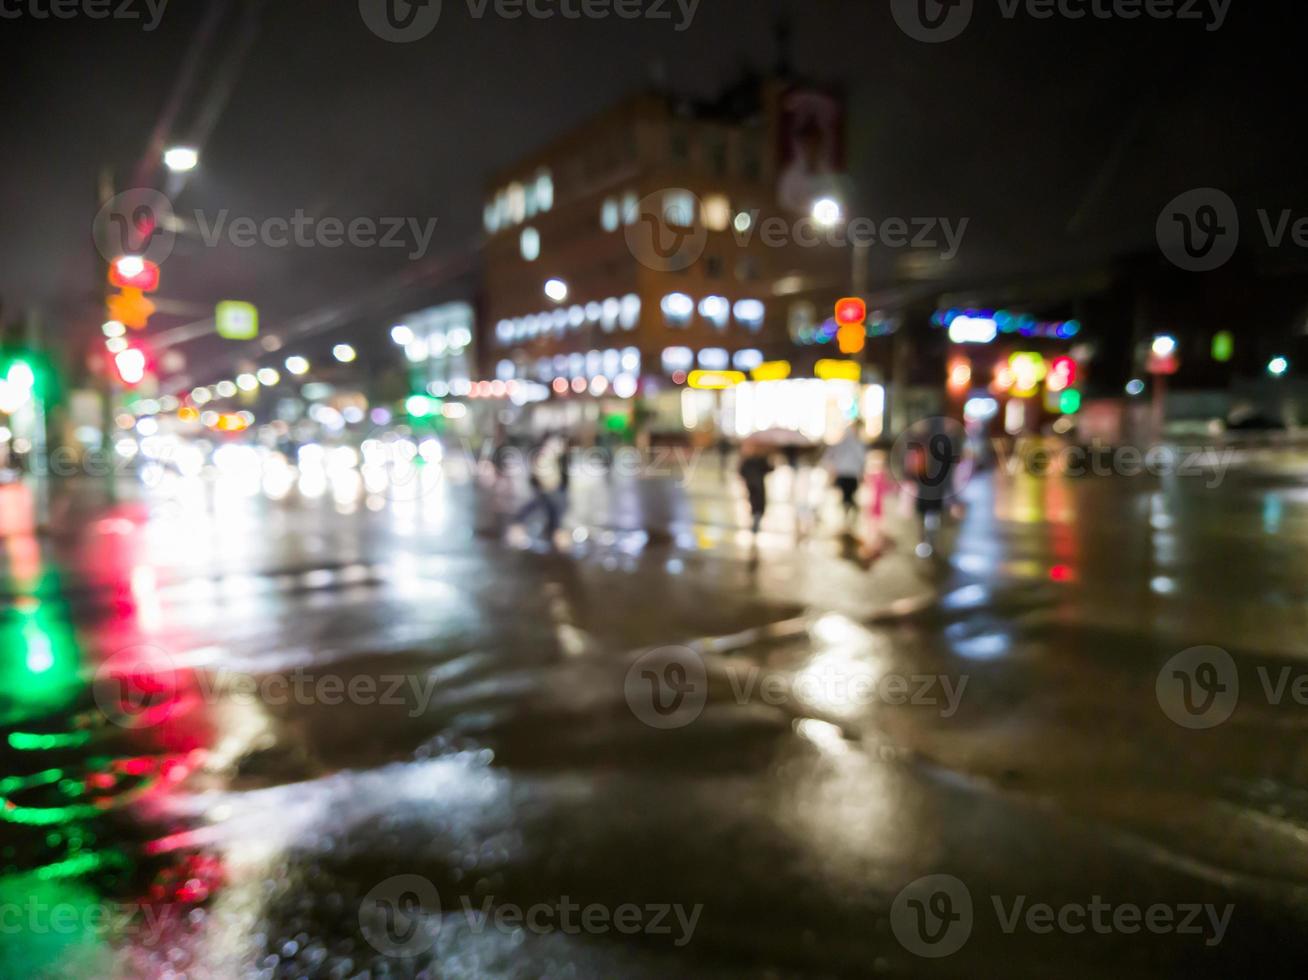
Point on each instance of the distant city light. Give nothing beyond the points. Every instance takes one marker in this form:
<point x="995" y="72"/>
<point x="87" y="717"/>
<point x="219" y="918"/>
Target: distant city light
<point x="112" y="328"/>
<point x="1278" y="366"/>
<point x="973" y="330"/>
<point x="1164" y="346"/>
<point x="247" y="382"/>
<point x="297" y="365"/>
<point x="1135" y="387"/>
<point x="180" y="159"/>
<point x="557" y="290"/>
<point x="826" y="211"/>
<point x="402" y="335"/>
<point x="130" y="266"/>
<point x="344" y="353"/>
<point x="268" y="376"/>
<point x="743" y="221"/>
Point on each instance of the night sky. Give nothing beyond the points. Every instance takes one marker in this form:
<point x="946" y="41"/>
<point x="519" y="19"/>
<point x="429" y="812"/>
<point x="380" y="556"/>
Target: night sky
<point x="1059" y="140"/>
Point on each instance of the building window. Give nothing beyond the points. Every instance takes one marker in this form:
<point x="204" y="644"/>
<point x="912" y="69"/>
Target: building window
<point x="516" y="203"/>
<point x="716" y="212"/>
<point x="714" y="359"/>
<point x="679" y="208"/>
<point x="544" y="190"/>
<point x="716" y="310"/>
<point x="746" y="360"/>
<point x="677" y="309"/>
<point x="529" y="243"/>
<point x="609" y="214"/>
<point x="749" y="313"/>
<point x="677" y="359"/>
<point x="630" y="208"/>
<point x="609" y="313"/>
<point x="630" y="315"/>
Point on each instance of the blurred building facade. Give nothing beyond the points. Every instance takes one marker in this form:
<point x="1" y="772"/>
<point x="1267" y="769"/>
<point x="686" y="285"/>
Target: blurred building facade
<point x="667" y="237"/>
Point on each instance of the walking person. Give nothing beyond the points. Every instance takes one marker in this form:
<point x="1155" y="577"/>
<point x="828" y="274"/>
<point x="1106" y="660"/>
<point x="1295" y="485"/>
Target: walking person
<point x="549" y="481"/>
<point x="754" y="469"/>
<point x="846" y="461"/>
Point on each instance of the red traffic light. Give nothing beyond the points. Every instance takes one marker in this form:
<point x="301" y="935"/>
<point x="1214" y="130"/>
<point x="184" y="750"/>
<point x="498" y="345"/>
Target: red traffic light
<point x="134" y="272"/>
<point x="851" y="312"/>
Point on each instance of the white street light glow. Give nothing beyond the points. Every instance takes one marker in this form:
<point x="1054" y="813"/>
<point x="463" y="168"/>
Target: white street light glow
<point x="180" y="159"/>
<point x="557" y="290"/>
<point x="344" y="353"/>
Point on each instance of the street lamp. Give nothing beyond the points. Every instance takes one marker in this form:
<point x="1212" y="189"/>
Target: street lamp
<point x="402" y="335"/>
<point x="557" y="290"/>
<point x="1278" y="366"/>
<point x="297" y="365"/>
<point x="826" y="212"/>
<point x="344" y="353"/>
<point x="181" y="159"/>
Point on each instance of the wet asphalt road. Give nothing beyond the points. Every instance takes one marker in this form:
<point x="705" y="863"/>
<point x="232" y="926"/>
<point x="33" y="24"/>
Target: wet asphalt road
<point x="314" y="733"/>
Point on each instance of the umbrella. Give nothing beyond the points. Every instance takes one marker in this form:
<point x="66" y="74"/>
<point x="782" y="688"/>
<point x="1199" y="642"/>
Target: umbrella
<point x="776" y="439"/>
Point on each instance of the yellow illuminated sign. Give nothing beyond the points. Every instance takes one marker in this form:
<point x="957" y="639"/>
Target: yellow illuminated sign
<point x="772" y="371"/>
<point x="830" y="369"/>
<point x="714" y="380"/>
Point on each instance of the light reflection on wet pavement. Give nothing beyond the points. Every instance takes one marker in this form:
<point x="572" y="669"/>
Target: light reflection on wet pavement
<point x="992" y="717"/>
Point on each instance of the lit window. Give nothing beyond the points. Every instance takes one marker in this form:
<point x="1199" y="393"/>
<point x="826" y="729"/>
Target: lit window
<point x="491" y="217"/>
<point x="631" y="360"/>
<point x="505" y="331"/>
<point x="677" y="308"/>
<point x="677" y="359"/>
<point x="630" y="208"/>
<point x="679" y="208"/>
<point x="576" y="365"/>
<point x="611" y="363"/>
<point x="560" y="319"/>
<point x="609" y="314"/>
<point x="629" y="316"/>
<point x="576" y="316"/>
<point x="594" y="362"/>
<point x="749" y="313"/>
<point x="593" y="312"/>
<point x="504" y="370"/>
<point x="516" y="203"/>
<point x="609" y="214"/>
<point x="714" y="359"/>
<point x="544" y="190"/>
<point x="747" y="359"/>
<point x="529" y="242"/>
<point x="716" y="310"/>
<point x="716" y="212"/>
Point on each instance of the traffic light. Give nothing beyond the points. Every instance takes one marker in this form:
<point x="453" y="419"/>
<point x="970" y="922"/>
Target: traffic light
<point x="851" y="318"/>
<point x="134" y="272"/>
<point x="131" y="308"/>
<point x="130" y="364"/>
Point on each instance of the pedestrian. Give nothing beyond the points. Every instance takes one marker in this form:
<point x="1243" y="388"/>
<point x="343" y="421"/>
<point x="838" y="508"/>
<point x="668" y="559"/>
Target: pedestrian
<point x="754" y="469"/>
<point x="846" y="461"/>
<point x="549" y="480"/>
<point x="931" y="462"/>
